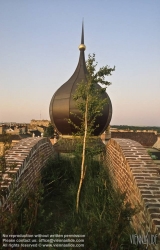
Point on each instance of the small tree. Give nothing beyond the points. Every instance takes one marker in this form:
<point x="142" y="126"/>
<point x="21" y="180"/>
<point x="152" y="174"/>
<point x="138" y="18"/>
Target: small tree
<point x="49" y="131"/>
<point x="90" y="104"/>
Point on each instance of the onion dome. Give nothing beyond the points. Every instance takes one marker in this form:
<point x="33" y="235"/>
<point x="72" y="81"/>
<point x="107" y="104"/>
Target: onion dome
<point x="62" y="106"/>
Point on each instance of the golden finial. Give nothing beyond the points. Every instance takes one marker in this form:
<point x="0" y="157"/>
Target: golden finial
<point x="82" y="46"/>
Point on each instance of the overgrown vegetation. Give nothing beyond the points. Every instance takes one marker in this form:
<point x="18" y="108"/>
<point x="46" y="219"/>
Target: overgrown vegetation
<point x="104" y="216"/>
<point x="22" y="211"/>
<point x="49" y="132"/>
<point x="103" y="213"/>
<point x="152" y="155"/>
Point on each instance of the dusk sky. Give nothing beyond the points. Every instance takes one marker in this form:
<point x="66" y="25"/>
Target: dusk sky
<point x="39" y="42"/>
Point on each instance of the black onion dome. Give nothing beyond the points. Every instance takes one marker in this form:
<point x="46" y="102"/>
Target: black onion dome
<point x="62" y="104"/>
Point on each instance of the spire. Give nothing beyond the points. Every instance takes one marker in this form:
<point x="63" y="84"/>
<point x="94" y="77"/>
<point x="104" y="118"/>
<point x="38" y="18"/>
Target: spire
<point x="82" y="36"/>
<point x="82" y="46"/>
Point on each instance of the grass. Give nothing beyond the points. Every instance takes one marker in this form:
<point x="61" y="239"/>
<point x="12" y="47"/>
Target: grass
<point x="103" y="216"/>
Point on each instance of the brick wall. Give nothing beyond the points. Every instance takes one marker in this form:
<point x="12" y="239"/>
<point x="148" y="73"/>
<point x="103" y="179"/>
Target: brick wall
<point x="29" y="156"/>
<point x="146" y="139"/>
<point x="134" y="172"/>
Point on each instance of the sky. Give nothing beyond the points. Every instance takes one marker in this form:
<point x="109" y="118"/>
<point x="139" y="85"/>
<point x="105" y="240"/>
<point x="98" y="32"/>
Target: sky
<point x="39" y="42"/>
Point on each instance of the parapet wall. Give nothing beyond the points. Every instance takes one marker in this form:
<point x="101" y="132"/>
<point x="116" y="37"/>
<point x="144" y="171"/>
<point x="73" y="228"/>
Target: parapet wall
<point x="29" y="157"/>
<point x="146" y="139"/>
<point x="134" y="172"/>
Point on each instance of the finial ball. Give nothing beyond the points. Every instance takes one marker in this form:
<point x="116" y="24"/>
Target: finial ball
<point x="82" y="46"/>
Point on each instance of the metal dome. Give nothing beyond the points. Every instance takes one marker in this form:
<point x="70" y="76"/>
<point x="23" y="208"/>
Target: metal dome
<point x="62" y="103"/>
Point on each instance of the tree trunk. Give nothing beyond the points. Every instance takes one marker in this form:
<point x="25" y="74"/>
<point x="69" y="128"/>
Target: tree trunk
<point x="83" y="168"/>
